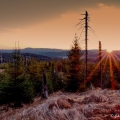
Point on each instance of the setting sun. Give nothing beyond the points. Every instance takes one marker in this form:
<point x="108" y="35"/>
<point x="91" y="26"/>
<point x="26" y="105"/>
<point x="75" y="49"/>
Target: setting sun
<point x="109" y="50"/>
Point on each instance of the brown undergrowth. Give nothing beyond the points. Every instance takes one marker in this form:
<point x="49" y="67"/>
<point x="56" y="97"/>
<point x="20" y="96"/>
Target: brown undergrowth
<point x="91" y="105"/>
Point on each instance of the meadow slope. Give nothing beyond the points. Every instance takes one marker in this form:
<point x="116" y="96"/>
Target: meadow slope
<point x="94" y="104"/>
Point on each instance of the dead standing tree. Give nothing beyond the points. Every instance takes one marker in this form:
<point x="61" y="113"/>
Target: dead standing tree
<point x="84" y="22"/>
<point x="100" y="67"/>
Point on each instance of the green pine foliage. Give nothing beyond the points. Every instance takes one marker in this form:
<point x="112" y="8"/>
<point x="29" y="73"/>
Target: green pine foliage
<point x="54" y="76"/>
<point x="35" y="75"/>
<point x="50" y="77"/>
<point x="74" y="55"/>
<point x="16" y="88"/>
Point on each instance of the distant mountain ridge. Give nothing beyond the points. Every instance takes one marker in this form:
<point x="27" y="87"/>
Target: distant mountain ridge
<point x="42" y="51"/>
<point x="54" y="53"/>
<point x="33" y="50"/>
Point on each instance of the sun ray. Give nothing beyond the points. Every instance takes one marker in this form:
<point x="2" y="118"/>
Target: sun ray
<point x="111" y="73"/>
<point x="116" y="56"/>
<point x="117" y="52"/>
<point x="99" y="56"/>
<point x="93" y="71"/>
<point x="118" y="68"/>
<point x="105" y="65"/>
<point x="116" y="64"/>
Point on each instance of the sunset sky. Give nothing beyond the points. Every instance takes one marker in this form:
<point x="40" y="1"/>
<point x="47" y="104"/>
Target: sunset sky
<point x="51" y="23"/>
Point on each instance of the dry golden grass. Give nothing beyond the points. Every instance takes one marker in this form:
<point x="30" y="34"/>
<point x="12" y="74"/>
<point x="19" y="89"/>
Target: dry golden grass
<point x="91" y="105"/>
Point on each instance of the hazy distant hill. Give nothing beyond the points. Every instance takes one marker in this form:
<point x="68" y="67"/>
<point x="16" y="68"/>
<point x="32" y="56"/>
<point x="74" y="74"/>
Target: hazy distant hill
<point x="7" y="57"/>
<point x="55" y="53"/>
<point x="42" y="51"/>
<point x="46" y="52"/>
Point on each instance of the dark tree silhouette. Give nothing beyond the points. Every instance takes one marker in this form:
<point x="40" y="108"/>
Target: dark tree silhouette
<point x="74" y="56"/>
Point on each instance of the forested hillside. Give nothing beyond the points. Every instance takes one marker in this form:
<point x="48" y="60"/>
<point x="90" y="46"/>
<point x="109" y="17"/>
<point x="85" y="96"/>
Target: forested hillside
<point x="21" y="81"/>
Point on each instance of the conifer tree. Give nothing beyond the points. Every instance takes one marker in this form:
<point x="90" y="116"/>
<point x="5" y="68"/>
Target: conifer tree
<point x="19" y="89"/>
<point x="16" y="67"/>
<point x="74" y="56"/>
